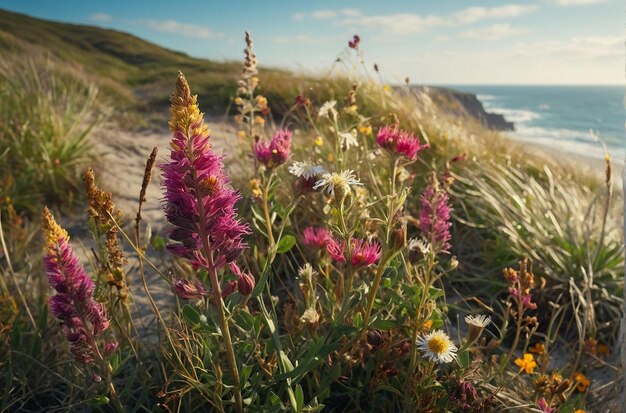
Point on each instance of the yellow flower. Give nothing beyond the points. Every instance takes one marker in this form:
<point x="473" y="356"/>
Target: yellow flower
<point x="238" y="101"/>
<point x="351" y="109"/>
<point x="185" y="111"/>
<point x="538" y="348"/>
<point x="527" y="363"/>
<point x="386" y="88"/>
<point x="241" y="134"/>
<point x="255" y="187"/>
<point x="319" y="141"/>
<point x="259" y="120"/>
<point x="427" y="324"/>
<point x="262" y="102"/>
<point x="52" y="231"/>
<point x="579" y="411"/>
<point x="255" y="81"/>
<point x="582" y="382"/>
<point x="366" y="130"/>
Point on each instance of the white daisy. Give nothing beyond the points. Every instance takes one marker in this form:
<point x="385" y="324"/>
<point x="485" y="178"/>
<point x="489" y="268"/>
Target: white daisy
<point x="328" y="107"/>
<point x="481" y="321"/>
<point x="337" y="183"/>
<point x="419" y="245"/>
<point x="348" y="139"/>
<point x="437" y="347"/>
<point x="305" y="169"/>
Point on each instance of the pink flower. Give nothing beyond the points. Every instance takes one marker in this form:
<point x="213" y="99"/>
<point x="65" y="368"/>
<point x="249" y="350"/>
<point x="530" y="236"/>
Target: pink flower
<point x="354" y="43"/>
<point x="188" y="290"/>
<point x="364" y="253"/>
<point x="435" y="218"/>
<point x="276" y="152"/>
<point x="396" y="140"/>
<point x="335" y="250"/>
<point x="544" y="406"/>
<point x="316" y="237"/>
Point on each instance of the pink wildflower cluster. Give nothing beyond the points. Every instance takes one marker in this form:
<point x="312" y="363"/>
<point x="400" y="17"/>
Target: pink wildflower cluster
<point x="363" y="253"/>
<point x="401" y="142"/>
<point x="435" y="218"/>
<point x="199" y="201"/>
<point x="275" y="152"/>
<point x="84" y="319"/>
<point x="316" y="237"/>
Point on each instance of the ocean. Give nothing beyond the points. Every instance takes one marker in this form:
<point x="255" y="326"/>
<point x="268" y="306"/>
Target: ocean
<point x="574" y="119"/>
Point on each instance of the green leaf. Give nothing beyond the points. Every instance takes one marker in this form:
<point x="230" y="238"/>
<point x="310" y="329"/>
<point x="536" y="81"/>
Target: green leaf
<point x="357" y="320"/>
<point x="464" y="359"/>
<point x="384" y="325"/>
<point x="97" y="401"/>
<point x="191" y="315"/>
<point x="285" y="244"/>
<point x="299" y="398"/>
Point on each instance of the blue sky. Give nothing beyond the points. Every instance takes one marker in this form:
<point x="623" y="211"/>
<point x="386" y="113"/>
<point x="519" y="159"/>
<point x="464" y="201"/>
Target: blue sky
<point x="432" y="42"/>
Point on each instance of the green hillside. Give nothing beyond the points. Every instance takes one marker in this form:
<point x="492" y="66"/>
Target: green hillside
<point x="120" y="63"/>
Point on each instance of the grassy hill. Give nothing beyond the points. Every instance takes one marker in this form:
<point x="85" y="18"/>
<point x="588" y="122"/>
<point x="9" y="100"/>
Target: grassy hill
<point x="127" y="67"/>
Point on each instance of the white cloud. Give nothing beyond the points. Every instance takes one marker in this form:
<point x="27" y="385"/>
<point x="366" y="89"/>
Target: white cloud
<point x="578" y="2"/>
<point x="494" y="32"/>
<point x="100" y="17"/>
<point x="327" y="14"/>
<point x="176" y="27"/>
<point x="398" y="24"/>
<point x="474" y="14"/>
<point x="302" y="39"/>
<point x="583" y="47"/>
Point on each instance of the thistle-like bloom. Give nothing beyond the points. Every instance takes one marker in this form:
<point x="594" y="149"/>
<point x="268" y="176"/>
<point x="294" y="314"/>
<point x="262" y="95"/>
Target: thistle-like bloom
<point x="316" y="237"/>
<point x="188" y="290"/>
<point x="199" y="201"/>
<point x="437" y="347"/>
<point x="83" y="317"/>
<point x="337" y="184"/>
<point x="401" y="142"/>
<point x="275" y="152"/>
<point x="354" y="43"/>
<point x="435" y="218"/>
<point x="363" y="253"/>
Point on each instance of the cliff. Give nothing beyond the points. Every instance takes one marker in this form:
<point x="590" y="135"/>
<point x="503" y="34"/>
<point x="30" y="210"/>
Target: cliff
<point x="464" y="104"/>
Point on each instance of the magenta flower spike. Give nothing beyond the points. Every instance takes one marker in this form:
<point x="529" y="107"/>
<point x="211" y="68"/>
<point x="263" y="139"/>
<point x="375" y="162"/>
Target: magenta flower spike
<point x="435" y="218"/>
<point x="275" y="152"/>
<point x="84" y="319"/>
<point x="198" y="196"/>
<point x="398" y="141"/>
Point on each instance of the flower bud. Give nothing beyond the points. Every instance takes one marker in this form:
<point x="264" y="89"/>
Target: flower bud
<point x="245" y="284"/>
<point x="185" y="289"/>
<point x="398" y="238"/>
<point x="110" y="347"/>
<point x="229" y="288"/>
<point x="375" y="338"/>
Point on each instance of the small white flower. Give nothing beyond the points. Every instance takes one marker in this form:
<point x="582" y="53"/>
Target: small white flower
<point x="348" y="139"/>
<point x="203" y="318"/>
<point x="437" y="347"/>
<point x="305" y="169"/>
<point x="333" y="182"/>
<point x="307" y="272"/>
<point x="310" y="316"/>
<point x="481" y="321"/>
<point x="328" y="107"/>
<point x="420" y="245"/>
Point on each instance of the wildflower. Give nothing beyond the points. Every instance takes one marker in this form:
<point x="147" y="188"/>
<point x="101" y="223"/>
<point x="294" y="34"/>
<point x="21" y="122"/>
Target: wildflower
<point x="328" y="108"/>
<point x="316" y="237"/>
<point x="579" y="411"/>
<point x="239" y="119"/>
<point x="249" y="70"/>
<point x="84" y="319"/>
<point x="437" y="347"/>
<point x="259" y="120"/>
<point x="538" y="348"/>
<point x="305" y="170"/>
<point x="348" y="139"/>
<point x="277" y="151"/>
<point x="582" y="382"/>
<point x="302" y="101"/>
<point x="354" y="43"/>
<point x="544" y="406"/>
<point x="464" y="396"/>
<point x="229" y="288"/>
<point x="335" y="249"/>
<point x="199" y="202"/>
<point x="396" y="140"/>
<point x="255" y="188"/>
<point x="521" y="282"/>
<point x="527" y="363"/>
<point x="188" y="290"/>
<point x="319" y="141"/>
<point x="261" y="102"/>
<point x="364" y="253"/>
<point x="365" y="130"/>
<point x="311" y="318"/>
<point x="337" y="184"/>
<point x="238" y="101"/>
<point x="427" y="325"/>
<point x="476" y="324"/>
<point x="435" y="218"/>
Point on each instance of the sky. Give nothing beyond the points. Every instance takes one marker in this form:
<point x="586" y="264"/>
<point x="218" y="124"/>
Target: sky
<point x="430" y="41"/>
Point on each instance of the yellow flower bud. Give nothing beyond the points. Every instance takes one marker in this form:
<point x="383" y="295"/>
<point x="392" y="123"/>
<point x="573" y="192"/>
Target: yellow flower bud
<point x="238" y="101"/>
<point x="319" y="141"/>
<point x="241" y="134"/>
<point x="259" y="120"/>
